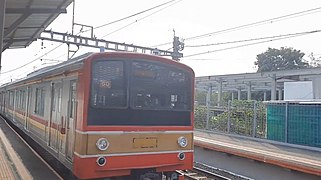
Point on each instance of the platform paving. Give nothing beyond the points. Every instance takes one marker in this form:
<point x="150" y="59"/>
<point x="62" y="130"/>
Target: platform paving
<point x="11" y="166"/>
<point x="303" y="160"/>
<point x="25" y="164"/>
<point x="7" y="171"/>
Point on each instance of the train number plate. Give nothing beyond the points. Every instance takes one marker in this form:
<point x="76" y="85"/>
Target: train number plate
<point x="145" y="142"/>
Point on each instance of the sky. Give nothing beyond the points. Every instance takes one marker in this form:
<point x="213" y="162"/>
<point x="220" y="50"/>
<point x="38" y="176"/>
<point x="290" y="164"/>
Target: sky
<point x="189" y="19"/>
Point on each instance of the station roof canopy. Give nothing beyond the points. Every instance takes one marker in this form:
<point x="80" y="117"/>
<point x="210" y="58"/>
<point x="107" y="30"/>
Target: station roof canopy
<point x="26" y="19"/>
<point x="260" y="81"/>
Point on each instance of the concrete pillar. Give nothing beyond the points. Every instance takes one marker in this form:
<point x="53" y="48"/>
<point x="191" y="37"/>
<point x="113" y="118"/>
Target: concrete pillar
<point x="249" y="91"/>
<point x="264" y="96"/>
<point x="232" y="94"/>
<point x="280" y="94"/>
<point x="219" y="94"/>
<point x="2" y="20"/>
<point x="273" y="88"/>
<point x="239" y="94"/>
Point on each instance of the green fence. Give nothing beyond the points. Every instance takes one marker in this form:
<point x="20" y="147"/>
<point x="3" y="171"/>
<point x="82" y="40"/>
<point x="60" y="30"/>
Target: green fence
<point x="294" y="122"/>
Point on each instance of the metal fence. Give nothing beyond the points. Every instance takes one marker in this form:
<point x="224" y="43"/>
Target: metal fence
<point x="289" y="122"/>
<point x="294" y="122"/>
<point x="238" y="117"/>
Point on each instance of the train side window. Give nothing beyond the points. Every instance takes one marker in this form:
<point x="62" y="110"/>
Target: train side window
<point x="11" y="98"/>
<point x="59" y="99"/>
<point x="73" y="99"/>
<point x="23" y="99"/>
<point x="40" y="101"/>
<point x="17" y="94"/>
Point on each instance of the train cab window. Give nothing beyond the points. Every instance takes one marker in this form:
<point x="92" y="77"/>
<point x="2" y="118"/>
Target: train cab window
<point x="139" y="93"/>
<point x="157" y="87"/>
<point x="108" y="88"/>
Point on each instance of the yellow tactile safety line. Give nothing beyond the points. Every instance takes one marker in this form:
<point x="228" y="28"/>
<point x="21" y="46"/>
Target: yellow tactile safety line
<point x="6" y="171"/>
<point x="21" y="169"/>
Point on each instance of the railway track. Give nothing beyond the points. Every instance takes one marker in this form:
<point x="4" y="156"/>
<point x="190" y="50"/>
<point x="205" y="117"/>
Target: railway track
<point x="205" y="172"/>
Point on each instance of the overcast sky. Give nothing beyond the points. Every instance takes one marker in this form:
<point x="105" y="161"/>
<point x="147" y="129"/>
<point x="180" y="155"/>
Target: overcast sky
<point x="189" y="18"/>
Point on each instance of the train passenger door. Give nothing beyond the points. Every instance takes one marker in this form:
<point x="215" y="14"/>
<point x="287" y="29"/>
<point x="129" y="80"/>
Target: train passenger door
<point x="54" y="121"/>
<point x="71" y="119"/>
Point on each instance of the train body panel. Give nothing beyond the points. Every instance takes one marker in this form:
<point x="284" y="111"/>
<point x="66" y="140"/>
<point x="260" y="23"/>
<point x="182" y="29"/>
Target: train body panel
<point x="139" y="106"/>
<point x="122" y="164"/>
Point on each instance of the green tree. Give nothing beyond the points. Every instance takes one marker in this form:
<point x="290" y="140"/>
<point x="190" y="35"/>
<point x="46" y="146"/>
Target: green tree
<point x="280" y="59"/>
<point x="315" y="61"/>
<point x="200" y="97"/>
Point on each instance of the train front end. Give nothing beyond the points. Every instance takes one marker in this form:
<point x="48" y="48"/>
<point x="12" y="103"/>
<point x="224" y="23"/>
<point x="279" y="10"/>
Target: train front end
<point x="136" y="117"/>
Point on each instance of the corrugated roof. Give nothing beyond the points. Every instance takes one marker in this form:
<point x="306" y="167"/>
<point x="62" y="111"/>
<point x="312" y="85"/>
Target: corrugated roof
<point x="26" y="19"/>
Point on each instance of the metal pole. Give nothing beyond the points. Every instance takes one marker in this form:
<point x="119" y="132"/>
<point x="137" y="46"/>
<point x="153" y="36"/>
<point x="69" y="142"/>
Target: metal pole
<point x="254" y="119"/>
<point x="72" y="26"/>
<point x="229" y="117"/>
<point x="2" y="20"/>
<point x="219" y="95"/>
<point x="232" y="95"/>
<point x="73" y="17"/>
<point x="286" y="122"/>
<point x="208" y="103"/>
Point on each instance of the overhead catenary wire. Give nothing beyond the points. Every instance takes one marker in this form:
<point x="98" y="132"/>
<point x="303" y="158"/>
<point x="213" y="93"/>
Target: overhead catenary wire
<point x="293" y="15"/>
<point x="127" y="17"/>
<point x="258" y="23"/>
<point x="133" y="15"/>
<point x="250" y="44"/>
<point x="38" y="58"/>
<point x="253" y="39"/>
<point x="141" y="19"/>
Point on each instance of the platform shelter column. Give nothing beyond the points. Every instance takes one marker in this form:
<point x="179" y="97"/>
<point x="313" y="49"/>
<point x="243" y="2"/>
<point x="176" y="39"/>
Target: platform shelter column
<point x="2" y="20"/>
<point x="249" y="86"/>
<point x="239" y="94"/>
<point x="273" y="87"/>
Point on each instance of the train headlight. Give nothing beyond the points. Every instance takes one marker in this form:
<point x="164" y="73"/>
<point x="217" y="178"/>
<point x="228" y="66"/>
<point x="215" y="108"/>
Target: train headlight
<point x="102" y="144"/>
<point x="182" y="141"/>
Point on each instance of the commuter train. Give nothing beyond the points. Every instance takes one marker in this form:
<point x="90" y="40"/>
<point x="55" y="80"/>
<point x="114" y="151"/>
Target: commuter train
<point x="107" y="115"/>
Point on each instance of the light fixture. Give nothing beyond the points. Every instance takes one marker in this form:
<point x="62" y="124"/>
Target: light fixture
<point x="101" y="161"/>
<point x="182" y="141"/>
<point x="102" y="144"/>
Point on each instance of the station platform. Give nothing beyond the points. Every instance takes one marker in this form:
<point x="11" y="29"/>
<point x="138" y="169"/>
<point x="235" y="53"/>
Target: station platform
<point x="294" y="158"/>
<point x="18" y="160"/>
<point x="11" y="166"/>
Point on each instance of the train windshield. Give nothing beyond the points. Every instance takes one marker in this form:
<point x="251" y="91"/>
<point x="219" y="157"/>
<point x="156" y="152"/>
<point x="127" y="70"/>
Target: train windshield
<point x="108" y="88"/>
<point x="156" y="87"/>
<point x="139" y="93"/>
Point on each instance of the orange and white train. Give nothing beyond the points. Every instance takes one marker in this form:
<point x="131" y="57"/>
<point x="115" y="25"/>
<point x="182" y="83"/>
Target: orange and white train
<point x="106" y="115"/>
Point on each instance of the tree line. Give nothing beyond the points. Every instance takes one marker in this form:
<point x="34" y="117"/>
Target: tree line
<point x="285" y="59"/>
